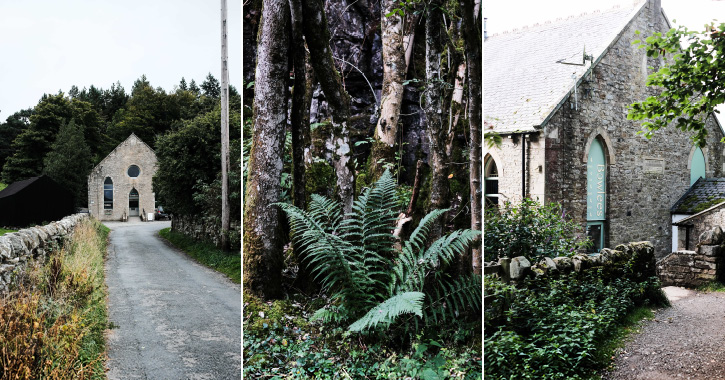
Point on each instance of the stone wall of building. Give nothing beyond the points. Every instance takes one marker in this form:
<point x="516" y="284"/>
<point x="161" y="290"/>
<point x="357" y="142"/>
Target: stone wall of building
<point x="703" y="222"/>
<point x="695" y="268"/>
<point x="645" y="176"/>
<point x="132" y="151"/>
<point x="508" y="158"/>
<point x="18" y="249"/>
<point x="201" y="228"/>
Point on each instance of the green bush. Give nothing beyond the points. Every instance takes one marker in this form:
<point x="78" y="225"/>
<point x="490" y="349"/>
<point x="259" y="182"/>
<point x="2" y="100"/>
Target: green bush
<point x="554" y="328"/>
<point x="531" y="230"/>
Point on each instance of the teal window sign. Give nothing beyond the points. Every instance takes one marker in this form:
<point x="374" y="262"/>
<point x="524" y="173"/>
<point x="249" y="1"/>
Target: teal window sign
<point x="697" y="166"/>
<point x="596" y="183"/>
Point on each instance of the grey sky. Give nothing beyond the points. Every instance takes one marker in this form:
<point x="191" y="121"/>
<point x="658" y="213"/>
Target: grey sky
<point x="46" y="46"/>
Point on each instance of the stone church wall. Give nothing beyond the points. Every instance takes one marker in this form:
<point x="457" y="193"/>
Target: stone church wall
<point x="645" y="177"/>
<point x="18" y="249"/>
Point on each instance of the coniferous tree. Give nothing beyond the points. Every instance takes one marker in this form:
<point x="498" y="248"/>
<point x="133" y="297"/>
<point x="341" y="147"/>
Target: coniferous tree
<point x="13" y="126"/>
<point x="211" y="87"/>
<point x="69" y="161"/>
<point x="182" y="85"/>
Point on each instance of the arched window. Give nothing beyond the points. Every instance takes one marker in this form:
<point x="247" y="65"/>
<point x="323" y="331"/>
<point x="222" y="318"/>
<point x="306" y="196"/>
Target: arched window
<point x="490" y="187"/>
<point x="108" y="194"/>
<point x="697" y="166"/>
<point x="596" y="194"/>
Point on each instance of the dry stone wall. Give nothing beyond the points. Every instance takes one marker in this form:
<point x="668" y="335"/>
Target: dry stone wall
<point x="201" y="228"/>
<point x="17" y="249"/>
<point x="637" y="257"/>
<point x="695" y="268"/>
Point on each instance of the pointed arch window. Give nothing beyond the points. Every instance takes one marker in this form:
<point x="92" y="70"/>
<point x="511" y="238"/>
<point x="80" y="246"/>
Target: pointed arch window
<point x="108" y="194"/>
<point x="491" y="183"/>
<point x="596" y="194"/>
<point x="697" y="166"/>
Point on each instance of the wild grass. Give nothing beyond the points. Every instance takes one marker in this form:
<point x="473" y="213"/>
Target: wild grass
<point x="2" y="186"/>
<point x="207" y="254"/>
<point x="52" y="324"/>
<point x="713" y="286"/>
<point x="4" y="231"/>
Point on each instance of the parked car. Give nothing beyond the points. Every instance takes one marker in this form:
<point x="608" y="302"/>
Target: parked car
<point x="160" y="214"/>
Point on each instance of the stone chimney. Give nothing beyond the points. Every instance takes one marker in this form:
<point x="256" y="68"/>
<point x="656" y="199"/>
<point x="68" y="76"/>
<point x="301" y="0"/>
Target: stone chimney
<point x="655" y="13"/>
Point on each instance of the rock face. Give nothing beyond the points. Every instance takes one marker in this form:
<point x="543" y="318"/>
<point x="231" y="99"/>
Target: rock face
<point x="17" y="249"/>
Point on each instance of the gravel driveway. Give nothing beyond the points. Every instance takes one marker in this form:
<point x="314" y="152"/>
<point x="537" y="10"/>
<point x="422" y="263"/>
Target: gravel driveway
<point x="174" y="319"/>
<point x="685" y="341"/>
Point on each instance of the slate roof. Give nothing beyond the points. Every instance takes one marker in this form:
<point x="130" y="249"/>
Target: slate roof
<point x="703" y="194"/>
<point x="15" y="187"/>
<point x="524" y="84"/>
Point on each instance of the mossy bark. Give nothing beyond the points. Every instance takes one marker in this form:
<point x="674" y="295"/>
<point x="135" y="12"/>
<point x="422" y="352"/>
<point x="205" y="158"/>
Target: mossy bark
<point x="433" y="112"/>
<point x="472" y="38"/>
<point x="300" y="114"/>
<point x="394" y="68"/>
<point x="317" y="36"/>
<point x="262" y="244"/>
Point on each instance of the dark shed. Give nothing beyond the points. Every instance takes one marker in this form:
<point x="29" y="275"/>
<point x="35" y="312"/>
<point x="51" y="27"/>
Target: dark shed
<point x="33" y="201"/>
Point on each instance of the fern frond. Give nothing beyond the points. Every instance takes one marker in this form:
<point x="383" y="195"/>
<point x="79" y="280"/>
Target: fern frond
<point x="451" y="298"/>
<point x="332" y="253"/>
<point x="327" y="212"/>
<point x="386" y="312"/>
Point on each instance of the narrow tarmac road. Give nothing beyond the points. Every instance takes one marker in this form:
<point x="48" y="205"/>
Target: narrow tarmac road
<point x="685" y="341"/>
<point x="173" y="318"/>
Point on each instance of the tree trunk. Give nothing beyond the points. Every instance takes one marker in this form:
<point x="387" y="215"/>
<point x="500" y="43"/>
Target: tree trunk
<point x="435" y="130"/>
<point x="300" y="119"/>
<point x="394" y="66"/>
<point x="252" y="11"/>
<point x="317" y="36"/>
<point x="263" y="255"/>
<point x="472" y="37"/>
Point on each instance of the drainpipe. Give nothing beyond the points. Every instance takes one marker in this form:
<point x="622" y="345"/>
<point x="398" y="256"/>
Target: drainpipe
<point x="523" y="166"/>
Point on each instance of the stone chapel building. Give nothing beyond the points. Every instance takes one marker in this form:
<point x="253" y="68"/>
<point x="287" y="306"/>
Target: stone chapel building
<point x="558" y="93"/>
<point x="120" y="186"/>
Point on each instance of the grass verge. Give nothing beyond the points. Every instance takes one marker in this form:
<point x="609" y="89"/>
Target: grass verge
<point x="714" y="286"/>
<point x="629" y="325"/>
<point x="52" y="323"/>
<point x="206" y="253"/>
<point x="4" y="231"/>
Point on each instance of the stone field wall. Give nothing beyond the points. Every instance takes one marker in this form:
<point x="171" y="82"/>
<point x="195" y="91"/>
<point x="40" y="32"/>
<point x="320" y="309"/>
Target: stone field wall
<point x="637" y="257"/>
<point x="17" y="249"/>
<point x="203" y="229"/>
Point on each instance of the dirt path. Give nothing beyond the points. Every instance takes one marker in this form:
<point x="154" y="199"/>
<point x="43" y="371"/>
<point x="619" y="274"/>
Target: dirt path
<point x="685" y="341"/>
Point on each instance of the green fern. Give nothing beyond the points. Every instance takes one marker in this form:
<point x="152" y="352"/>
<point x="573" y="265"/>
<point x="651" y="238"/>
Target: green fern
<point x="370" y="282"/>
<point x="386" y="312"/>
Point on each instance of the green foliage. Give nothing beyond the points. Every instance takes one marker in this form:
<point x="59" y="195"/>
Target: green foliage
<point x="558" y="328"/>
<point x="189" y="159"/>
<point x="206" y="253"/>
<point x="280" y="341"/>
<point x="531" y="230"/>
<point x="69" y="161"/>
<point x="3" y="231"/>
<point x="35" y="142"/>
<point x="690" y="81"/>
<point x="13" y="126"/>
<point x="356" y="262"/>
